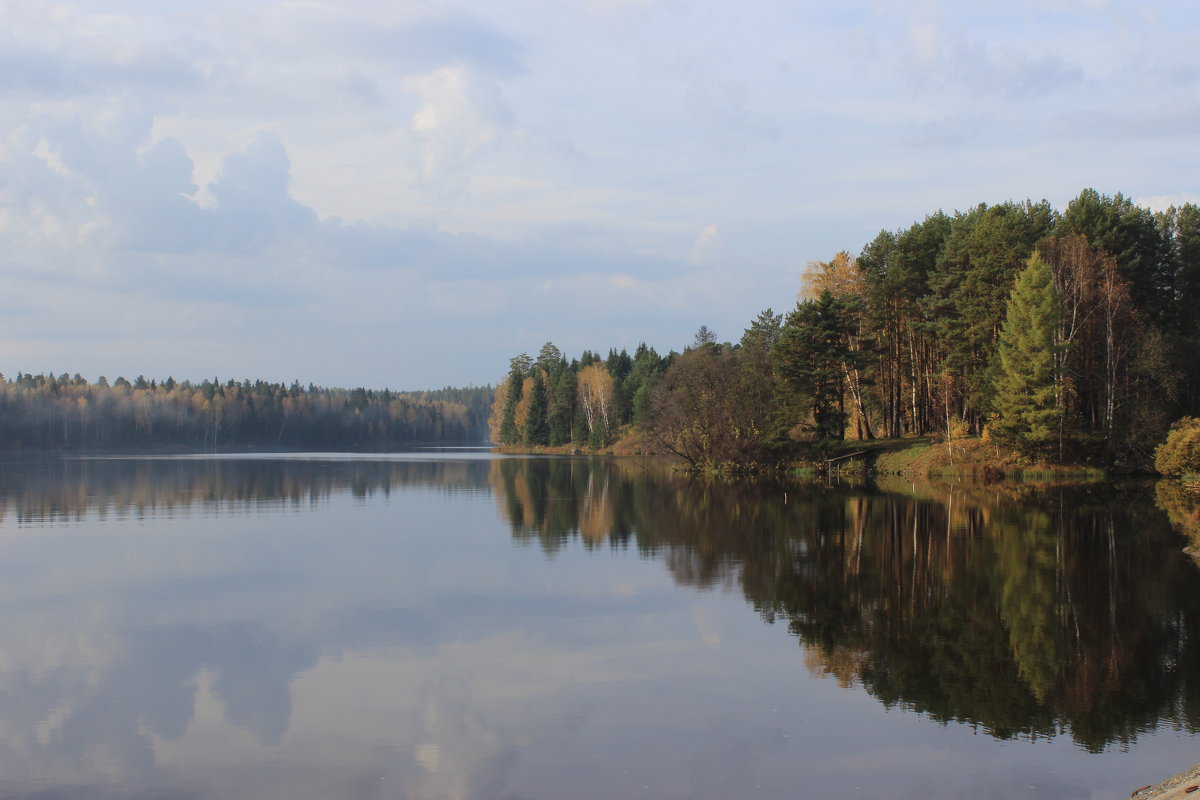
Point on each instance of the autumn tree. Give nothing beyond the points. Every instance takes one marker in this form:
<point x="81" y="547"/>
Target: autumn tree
<point x="1127" y="232"/>
<point x="1180" y="453"/>
<point x="843" y="277"/>
<point x="518" y="369"/>
<point x="595" y="397"/>
<point x="708" y="410"/>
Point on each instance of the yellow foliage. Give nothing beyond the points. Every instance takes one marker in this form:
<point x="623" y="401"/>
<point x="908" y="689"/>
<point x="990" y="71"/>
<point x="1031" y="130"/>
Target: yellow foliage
<point x="596" y="394"/>
<point x="496" y="418"/>
<point x="840" y="275"/>
<point x="521" y="413"/>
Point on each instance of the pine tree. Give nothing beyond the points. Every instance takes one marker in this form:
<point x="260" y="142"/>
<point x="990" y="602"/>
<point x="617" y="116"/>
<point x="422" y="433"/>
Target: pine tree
<point x="1027" y="413"/>
<point x="562" y="408"/>
<point x="811" y="354"/>
<point x="537" y="429"/>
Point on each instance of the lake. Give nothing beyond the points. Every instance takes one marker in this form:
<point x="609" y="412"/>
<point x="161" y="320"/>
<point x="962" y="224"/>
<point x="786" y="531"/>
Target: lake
<point x="457" y="625"/>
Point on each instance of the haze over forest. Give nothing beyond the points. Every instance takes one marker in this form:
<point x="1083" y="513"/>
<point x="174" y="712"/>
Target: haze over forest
<point x="405" y="195"/>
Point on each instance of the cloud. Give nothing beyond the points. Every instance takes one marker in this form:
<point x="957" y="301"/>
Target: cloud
<point x="951" y="131"/>
<point x="707" y="245"/>
<point x="1162" y="202"/>
<point x="947" y="54"/>
<point x="455" y="39"/>
<point x="41" y="74"/>
<point x="1012" y="71"/>
<point x="252" y="205"/>
<point x="460" y="116"/>
<point x="1141" y="119"/>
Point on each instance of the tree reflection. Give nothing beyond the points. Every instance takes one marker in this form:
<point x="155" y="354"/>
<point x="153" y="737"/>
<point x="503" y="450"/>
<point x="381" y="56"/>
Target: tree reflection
<point x="1025" y="612"/>
<point x="40" y="490"/>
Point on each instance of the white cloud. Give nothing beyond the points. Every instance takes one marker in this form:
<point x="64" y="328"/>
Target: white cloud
<point x="459" y="118"/>
<point x="707" y="246"/>
<point x="1161" y="202"/>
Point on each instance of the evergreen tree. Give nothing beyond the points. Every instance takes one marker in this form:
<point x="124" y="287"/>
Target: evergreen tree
<point x="1129" y="233"/>
<point x="548" y="358"/>
<point x="645" y="373"/>
<point x="969" y="288"/>
<point x="1027" y="415"/>
<point x="811" y="355"/>
<point x="562" y="408"/>
<point x="517" y="370"/>
<point x="537" y="428"/>
<point x="764" y="330"/>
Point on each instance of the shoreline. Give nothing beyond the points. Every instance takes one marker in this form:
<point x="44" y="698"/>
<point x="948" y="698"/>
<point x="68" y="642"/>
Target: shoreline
<point x="1181" y="785"/>
<point x="919" y="458"/>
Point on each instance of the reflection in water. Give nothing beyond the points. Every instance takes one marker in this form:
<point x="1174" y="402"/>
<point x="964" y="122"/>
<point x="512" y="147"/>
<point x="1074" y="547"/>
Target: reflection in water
<point x="1181" y="501"/>
<point x="47" y="489"/>
<point x="1023" y="612"/>
<point x="342" y="628"/>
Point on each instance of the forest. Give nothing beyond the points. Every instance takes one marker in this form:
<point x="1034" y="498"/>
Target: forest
<point x="66" y="412"/>
<point x="1067" y="336"/>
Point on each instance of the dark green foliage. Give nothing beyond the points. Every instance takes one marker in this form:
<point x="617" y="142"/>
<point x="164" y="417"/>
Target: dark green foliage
<point x="811" y="355"/>
<point x="537" y="427"/>
<point x="598" y="436"/>
<point x="907" y="341"/>
<point x="1181" y="227"/>
<point x="969" y="290"/>
<point x="562" y="408"/>
<point x="1129" y="234"/>
<point x="579" y="426"/>
<point x="645" y="372"/>
<point x="897" y="268"/>
<point x="764" y="330"/>
<point x="1026" y="414"/>
<point x="1185" y="234"/>
<point x="549" y="358"/>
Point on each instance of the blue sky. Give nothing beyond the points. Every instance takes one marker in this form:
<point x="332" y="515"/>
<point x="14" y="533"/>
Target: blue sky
<point x="406" y="194"/>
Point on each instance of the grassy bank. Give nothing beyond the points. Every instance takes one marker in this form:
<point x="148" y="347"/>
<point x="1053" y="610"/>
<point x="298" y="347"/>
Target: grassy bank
<point x="970" y="458"/>
<point x="924" y="457"/>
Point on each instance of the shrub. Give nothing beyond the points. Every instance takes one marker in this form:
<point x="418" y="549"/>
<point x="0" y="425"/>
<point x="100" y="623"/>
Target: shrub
<point x="1180" y="453"/>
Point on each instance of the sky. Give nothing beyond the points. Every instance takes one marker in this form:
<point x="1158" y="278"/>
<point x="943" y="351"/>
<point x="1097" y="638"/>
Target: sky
<point x="407" y="194"/>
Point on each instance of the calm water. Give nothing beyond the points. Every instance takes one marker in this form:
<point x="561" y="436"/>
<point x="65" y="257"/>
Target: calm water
<point x="455" y="626"/>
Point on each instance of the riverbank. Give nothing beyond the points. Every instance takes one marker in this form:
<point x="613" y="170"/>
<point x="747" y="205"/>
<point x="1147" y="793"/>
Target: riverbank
<point x="917" y="458"/>
<point x="970" y="458"/>
<point x="1185" y="784"/>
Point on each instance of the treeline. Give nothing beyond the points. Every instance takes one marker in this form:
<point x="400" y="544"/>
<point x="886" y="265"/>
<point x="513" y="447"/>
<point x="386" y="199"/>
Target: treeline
<point x="928" y="331"/>
<point x="549" y="401"/>
<point x="43" y="412"/>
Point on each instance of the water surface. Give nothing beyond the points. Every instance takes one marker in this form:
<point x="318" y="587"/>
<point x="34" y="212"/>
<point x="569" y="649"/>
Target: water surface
<point x="452" y="625"/>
